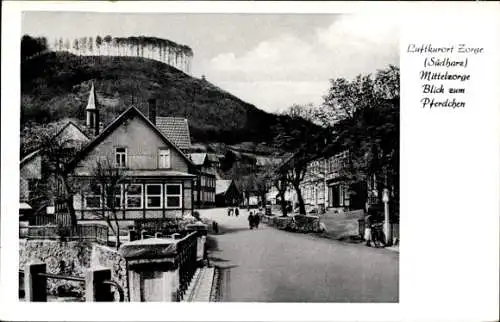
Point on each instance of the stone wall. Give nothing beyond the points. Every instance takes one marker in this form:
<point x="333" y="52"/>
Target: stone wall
<point x="65" y="258"/>
<point x="303" y="224"/>
<point x="109" y="257"/>
<point x="72" y="259"/>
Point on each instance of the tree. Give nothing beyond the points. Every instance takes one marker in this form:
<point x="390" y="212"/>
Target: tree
<point x="297" y="134"/>
<point x="83" y="45"/>
<point x="90" y="44"/>
<point x="107" y="40"/>
<point x="76" y="46"/>
<point x="32" y="46"/>
<point x="271" y="177"/>
<point x="98" y="43"/>
<point x="67" y="44"/>
<point x="110" y="178"/>
<point x="57" y="154"/>
<point x="364" y="113"/>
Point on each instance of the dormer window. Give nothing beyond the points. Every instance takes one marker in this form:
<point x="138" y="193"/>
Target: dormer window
<point x="121" y="157"/>
<point x="164" y="158"/>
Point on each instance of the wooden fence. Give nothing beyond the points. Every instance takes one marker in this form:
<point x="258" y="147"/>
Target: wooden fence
<point x="90" y="232"/>
<point x="50" y="219"/>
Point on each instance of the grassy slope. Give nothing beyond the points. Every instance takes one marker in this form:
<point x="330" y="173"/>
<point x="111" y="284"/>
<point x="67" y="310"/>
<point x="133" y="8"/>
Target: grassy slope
<point x="55" y="86"/>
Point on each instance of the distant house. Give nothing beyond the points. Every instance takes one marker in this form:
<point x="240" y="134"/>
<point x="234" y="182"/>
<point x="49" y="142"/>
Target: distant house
<point x="71" y="138"/>
<point x="204" y="185"/>
<point x="313" y="184"/>
<point x="226" y="193"/>
<point x="264" y="161"/>
<point x="245" y="160"/>
<point x="32" y="177"/>
<point x="342" y="194"/>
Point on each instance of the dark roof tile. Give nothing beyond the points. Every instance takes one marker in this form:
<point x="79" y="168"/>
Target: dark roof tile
<point x="176" y="129"/>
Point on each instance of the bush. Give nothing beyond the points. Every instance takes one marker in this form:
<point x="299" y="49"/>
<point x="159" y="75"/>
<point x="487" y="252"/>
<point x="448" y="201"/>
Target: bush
<point x="63" y="232"/>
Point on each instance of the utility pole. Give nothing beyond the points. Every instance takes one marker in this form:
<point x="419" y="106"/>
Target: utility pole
<point x="387" y="224"/>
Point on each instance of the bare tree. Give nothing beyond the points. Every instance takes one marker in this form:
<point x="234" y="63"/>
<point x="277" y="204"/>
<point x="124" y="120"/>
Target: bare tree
<point x="98" y="44"/>
<point x="107" y="40"/>
<point x="76" y="46"/>
<point x="57" y="154"/>
<point x="111" y="179"/>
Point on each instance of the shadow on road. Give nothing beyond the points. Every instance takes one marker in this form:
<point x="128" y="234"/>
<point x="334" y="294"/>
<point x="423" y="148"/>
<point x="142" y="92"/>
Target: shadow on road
<point x="211" y="244"/>
<point x="215" y="259"/>
<point x="225" y="230"/>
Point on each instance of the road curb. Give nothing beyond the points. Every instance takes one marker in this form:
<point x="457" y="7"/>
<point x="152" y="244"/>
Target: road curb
<point x="200" y="288"/>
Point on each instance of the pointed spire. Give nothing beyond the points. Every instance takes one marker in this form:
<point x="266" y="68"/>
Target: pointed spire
<point x="91" y="104"/>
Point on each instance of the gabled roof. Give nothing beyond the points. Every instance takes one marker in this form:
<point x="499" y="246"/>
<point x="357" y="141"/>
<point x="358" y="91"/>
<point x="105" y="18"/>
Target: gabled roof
<point x="221" y="186"/>
<point x="198" y="158"/>
<point x="70" y="123"/>
<point x="132" y="110"/>
<point x="176" y="129"/>
<point x="29" y="157"/>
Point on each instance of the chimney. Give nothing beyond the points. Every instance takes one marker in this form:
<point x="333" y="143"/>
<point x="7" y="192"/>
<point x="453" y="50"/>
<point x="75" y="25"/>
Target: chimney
<point x="152" y="110"/>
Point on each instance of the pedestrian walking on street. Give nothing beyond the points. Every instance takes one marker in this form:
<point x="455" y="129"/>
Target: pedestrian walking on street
<point x="236" y="212"/>
<point x="251" y="220"/>
<point x="368" y="229"/>
<point x="229" y="211"/>
<point x="377" y="231"/>
<point x="257" y="219"/>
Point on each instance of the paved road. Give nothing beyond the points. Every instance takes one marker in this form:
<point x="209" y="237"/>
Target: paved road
<point x="269" y="265"/>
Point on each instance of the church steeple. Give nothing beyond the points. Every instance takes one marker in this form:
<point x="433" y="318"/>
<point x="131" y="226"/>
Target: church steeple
<point x="92" y="112"/>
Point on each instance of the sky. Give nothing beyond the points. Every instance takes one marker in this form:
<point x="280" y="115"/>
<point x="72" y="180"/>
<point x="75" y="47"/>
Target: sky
<point x="269" y="60"/>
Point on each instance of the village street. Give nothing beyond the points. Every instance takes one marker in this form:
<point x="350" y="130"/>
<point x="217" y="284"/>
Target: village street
<point x="270" y="265"/>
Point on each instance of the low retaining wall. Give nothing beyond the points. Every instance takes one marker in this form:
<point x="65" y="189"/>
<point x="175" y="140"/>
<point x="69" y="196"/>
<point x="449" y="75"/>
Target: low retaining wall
<point x="299" y="223"/>
<point x="65" y="258"/>
<point x="72" y="258"/>
<point x="110" y="258"/>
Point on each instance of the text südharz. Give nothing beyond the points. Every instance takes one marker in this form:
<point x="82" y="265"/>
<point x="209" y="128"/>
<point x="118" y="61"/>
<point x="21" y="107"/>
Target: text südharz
<point x="429" y="49"/>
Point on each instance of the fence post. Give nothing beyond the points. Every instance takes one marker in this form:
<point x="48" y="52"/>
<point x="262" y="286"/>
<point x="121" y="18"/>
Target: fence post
<point x="95" y="289"/>
<point x="35" y="285"/>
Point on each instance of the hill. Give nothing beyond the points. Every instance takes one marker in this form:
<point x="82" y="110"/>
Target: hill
<point x="55" y="86"/>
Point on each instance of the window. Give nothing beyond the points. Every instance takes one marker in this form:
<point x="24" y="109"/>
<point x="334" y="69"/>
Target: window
<point x="173" y="195"/>
<point x="154" y="196"/>
<point x="93" y="199"/>
<point x="164" y="158"/>
<point x="114" y="197"/>
<point x="31" y="186"/>
<point x="121" y="157"/>
<point x="134" y="196"/>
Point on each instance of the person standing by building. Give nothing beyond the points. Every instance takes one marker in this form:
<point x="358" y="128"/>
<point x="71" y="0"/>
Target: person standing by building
<point x="368" y="229"/>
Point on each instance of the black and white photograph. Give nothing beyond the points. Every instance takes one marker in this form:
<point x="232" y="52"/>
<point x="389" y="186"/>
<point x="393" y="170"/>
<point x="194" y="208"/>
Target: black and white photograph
<point x="250" y="161"/>
<point x="170" y="157"/>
